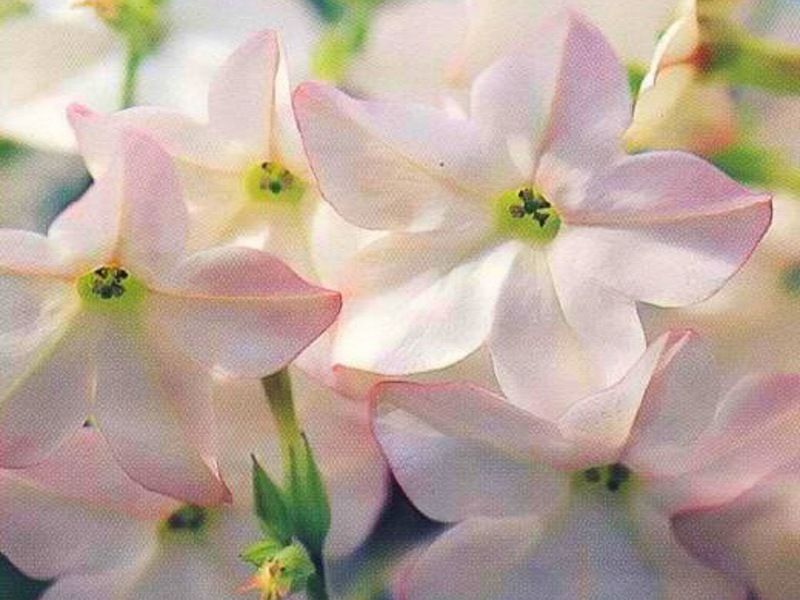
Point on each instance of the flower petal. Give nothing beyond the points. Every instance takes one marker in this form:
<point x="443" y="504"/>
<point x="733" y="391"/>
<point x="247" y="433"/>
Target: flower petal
<point x="530" y="318"/>
<point x="134" y="215"/>
<point x="152" y="406"/>
<point x="43" y="405"/>
<point x="240" y="311"/>
<point x="754" y="433"/>
<point x="592" y="104"/>
<point x="54" y="514"/>
<point x="753" y="538"/>
<point x="242" y="95"/>
<point x="679" y="405"/>
<point x="417" y="302"/>
<point x="600" y="425"/>
<point x="393" y="166"/>
<point x="38" y="80"/>
<point x="605" y="322"/>
<point x="190" y="142"/>
<point x="472" y="560"/>
<point x="664" y="228"/>
<point x="459" y="451"/>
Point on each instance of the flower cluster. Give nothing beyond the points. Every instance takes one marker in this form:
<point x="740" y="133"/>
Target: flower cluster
<point x="485" y="264"/>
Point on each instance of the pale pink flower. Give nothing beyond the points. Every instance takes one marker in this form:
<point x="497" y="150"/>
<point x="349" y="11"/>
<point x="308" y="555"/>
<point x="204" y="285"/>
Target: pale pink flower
<point x="109" y="317"/>
<point x="525" y="226"/>
<point x="243" y="172"/>
<point x="579" y="506"/>
<point x="79" y="520"/>
<point x="58" y="54"/>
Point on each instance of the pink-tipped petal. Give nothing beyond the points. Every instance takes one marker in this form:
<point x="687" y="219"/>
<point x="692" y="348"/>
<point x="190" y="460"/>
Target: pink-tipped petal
<point x="459" y="451"/>
<point x="54" y="514"/>
<point x="242" y="96"/>
<point x="592" y="104"/>
<point x="680" y="402"/>
<point x="754" y="432"/>
<point x="600" y="425"/>
<point x="664" y="228"/>
<point x="393" y="166"/>
<point x="134" y="215"/>
<point x="240" y="311"/>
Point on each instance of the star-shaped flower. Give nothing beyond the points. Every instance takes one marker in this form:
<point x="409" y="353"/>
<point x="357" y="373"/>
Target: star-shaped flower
<point x="579" y="506"/>
<point x="526" y="226"/>
<point x="109" y="317"/>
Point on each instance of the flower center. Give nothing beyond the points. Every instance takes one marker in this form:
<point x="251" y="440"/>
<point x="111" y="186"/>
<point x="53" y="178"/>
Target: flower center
<point x="614" y="478"/>
<point x="187" y="518"/>
<point x="527" y="215"/>
<point x="110" y="286"/>
<point x="269" y="181"/>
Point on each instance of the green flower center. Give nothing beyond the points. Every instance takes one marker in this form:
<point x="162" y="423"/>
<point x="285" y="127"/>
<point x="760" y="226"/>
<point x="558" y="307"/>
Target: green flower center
<point x="614" y="478"/>
<point x="110" y="287"/>
<point x="527" y="215"/>
<point x="270" y="181"/>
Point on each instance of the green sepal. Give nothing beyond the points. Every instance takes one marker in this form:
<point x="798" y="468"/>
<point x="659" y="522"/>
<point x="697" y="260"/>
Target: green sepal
<point x="270" y="505"/>
<point x="309" y="501"/>
<point x="262" y="551"/>
<point x="298" y="566"/>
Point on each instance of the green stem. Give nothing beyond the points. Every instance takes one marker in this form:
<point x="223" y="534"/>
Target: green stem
<point x="133" y="61"/>
<point x="278" y="388"/>
<point x="316" y="589"/>
<point x="746" y="59"/>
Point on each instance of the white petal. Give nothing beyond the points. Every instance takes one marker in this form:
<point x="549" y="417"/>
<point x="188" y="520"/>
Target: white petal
<point x="416" y="302"/>
<point x="538" y="359"/>
<point x="242" y="95"/>
<point x="393" y="166"/>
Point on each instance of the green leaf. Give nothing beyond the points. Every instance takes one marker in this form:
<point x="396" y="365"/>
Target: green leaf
<point x="270" y="505"/>
<point x="309" y="502"/>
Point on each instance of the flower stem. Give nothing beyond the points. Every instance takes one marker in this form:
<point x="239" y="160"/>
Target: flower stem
<point x="746" y="59"/>
<point x="133" y="61"/>
<point x="278" y="388"/>
<point x="316" y="589"/>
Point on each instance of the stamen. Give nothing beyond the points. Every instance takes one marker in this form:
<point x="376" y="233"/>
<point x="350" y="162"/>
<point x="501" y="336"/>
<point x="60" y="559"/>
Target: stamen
<point x="526" y="214"/>
<point x="107" y="282"/>
<point x="272" y="181"/>
<point x="613" y="477"/>
<point x="187" y="518"/>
